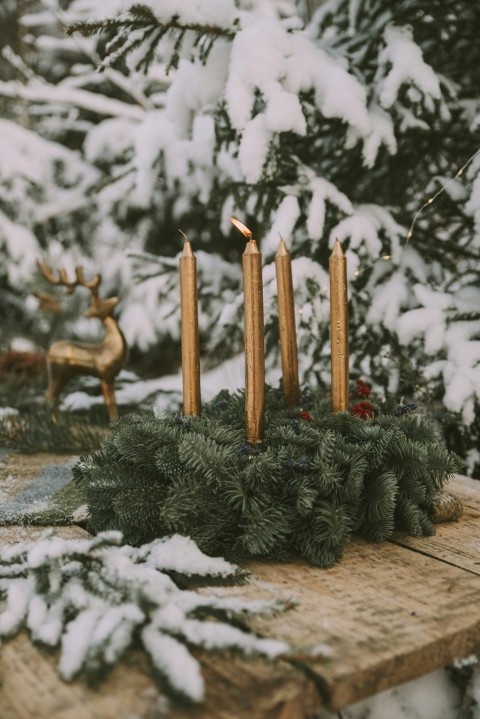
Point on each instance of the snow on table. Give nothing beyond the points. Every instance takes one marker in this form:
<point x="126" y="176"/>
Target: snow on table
<point x="386" y="614"/>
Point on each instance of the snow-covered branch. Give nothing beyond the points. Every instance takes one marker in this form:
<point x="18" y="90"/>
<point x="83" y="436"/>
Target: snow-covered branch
<point x="72" y="97"/>
<point x="94" y="598"/>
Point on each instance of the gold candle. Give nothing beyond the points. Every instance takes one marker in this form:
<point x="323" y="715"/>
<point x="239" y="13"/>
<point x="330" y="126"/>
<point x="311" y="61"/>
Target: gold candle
<point x="254" y="339"/>
<point x="286" y="322"/>
<point x="339" y="328"/>
<point x="190" y="343"/>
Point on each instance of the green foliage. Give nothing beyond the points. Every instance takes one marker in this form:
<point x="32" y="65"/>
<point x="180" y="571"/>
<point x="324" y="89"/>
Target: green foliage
<point x="34" y="431"/>
<point x="140" y="27"/>
<point x="304" y="490"/>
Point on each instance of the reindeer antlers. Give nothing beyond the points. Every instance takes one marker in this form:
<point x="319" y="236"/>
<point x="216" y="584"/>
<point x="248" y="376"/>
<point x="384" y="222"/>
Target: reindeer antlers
<point x="92" y="285"/>
<point x="63" y="280"/>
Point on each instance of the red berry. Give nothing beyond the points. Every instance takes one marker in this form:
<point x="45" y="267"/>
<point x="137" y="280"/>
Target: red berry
<point x="306" y="415"/>
<point x="364" y="410"/>
<point x="362" y="389"/>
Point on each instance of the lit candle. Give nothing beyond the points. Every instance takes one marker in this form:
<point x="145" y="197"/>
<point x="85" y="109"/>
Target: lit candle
<point x="286" y="322"/>
<point x="254" y="339"/>
<point x="339" y="328"/>
<point x="190" y="342"/>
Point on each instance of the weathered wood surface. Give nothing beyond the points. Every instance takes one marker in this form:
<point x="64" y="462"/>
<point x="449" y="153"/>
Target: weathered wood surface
<point x="457" y="543"/>
<point x="31" y="689"/>
<point x="388" y="612"/>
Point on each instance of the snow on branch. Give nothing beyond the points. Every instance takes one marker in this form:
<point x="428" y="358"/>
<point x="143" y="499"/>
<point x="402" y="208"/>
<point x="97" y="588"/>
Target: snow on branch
<point x="94" y="598"/>
<point x="407" y="66"/>
<point x="73" y="97"/>
<point x="141" y="28"/>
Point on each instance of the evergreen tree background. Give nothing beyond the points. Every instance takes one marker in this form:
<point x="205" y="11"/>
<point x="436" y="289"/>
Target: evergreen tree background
<point x="336" y="120"/>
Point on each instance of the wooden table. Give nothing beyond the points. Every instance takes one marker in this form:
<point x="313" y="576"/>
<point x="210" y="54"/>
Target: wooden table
<point x="388" y="612"/>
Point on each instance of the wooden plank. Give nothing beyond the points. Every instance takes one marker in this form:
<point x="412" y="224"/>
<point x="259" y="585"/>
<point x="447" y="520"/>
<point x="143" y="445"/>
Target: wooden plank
<point x="456" y="543"/>
<point x="31" y="689"/>
<point x="388" y="614"/>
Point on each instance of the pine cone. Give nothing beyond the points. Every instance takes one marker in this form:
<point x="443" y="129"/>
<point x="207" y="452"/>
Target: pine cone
<point x="445" y="508"/>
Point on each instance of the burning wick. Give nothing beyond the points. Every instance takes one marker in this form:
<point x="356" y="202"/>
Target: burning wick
<point x="240" y="226"/>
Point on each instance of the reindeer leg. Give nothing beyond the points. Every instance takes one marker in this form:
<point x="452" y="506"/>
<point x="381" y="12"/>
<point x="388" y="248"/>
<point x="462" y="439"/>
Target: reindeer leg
<point x="108" y="391"/>
<point x="55" y="385"/>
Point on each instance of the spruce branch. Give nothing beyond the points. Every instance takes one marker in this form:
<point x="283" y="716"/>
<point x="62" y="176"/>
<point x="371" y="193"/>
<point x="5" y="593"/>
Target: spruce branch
<point x="140" y="27"/>
<point x="94" y="599"/>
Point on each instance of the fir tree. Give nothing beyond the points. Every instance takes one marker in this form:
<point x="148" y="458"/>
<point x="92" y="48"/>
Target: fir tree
<point x="343" y="126"/>
<point x="386" y="133"/>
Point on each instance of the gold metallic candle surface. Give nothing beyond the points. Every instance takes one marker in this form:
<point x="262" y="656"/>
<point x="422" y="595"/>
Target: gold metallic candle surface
<point x="339" y="328"/>
<point x="254" y="343"/>
<point x="286" y="323"/>
<point x="190" y="343"/>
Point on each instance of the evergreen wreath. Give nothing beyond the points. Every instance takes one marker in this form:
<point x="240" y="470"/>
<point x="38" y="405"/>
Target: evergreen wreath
<point x="315" y="479"/>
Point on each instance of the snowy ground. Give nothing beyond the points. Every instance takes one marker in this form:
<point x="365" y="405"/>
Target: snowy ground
<point x="433" y="696"/>
<point x="165" y="393"/>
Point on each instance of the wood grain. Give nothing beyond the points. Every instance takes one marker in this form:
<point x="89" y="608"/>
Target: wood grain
<point x="388" y="613"/>
<point x="456" y="543"/>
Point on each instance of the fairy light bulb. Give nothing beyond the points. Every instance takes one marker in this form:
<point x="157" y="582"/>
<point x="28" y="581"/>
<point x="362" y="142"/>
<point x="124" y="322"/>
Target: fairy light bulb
<point x="442" y="189"/>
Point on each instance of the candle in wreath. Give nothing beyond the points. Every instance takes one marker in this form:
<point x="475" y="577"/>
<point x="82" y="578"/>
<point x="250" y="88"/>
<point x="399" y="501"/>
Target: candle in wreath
<point x="190" y="342"/>
<point x="339" y="328"/>
<point x="253" y="337"/>
<point x="286" y="323"/>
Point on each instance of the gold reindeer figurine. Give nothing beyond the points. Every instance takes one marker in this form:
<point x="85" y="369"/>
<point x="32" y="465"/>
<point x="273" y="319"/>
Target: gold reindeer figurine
<point x="103" y="360"/>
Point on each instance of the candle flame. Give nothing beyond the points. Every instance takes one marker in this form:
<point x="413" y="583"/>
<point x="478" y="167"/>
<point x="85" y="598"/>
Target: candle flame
<point x="240" y="226"/>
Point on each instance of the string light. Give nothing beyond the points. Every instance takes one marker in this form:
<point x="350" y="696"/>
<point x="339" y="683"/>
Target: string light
<point x="383" y="258"/>
<point x="429" y="201"/>
<point x="439" y="192"/>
